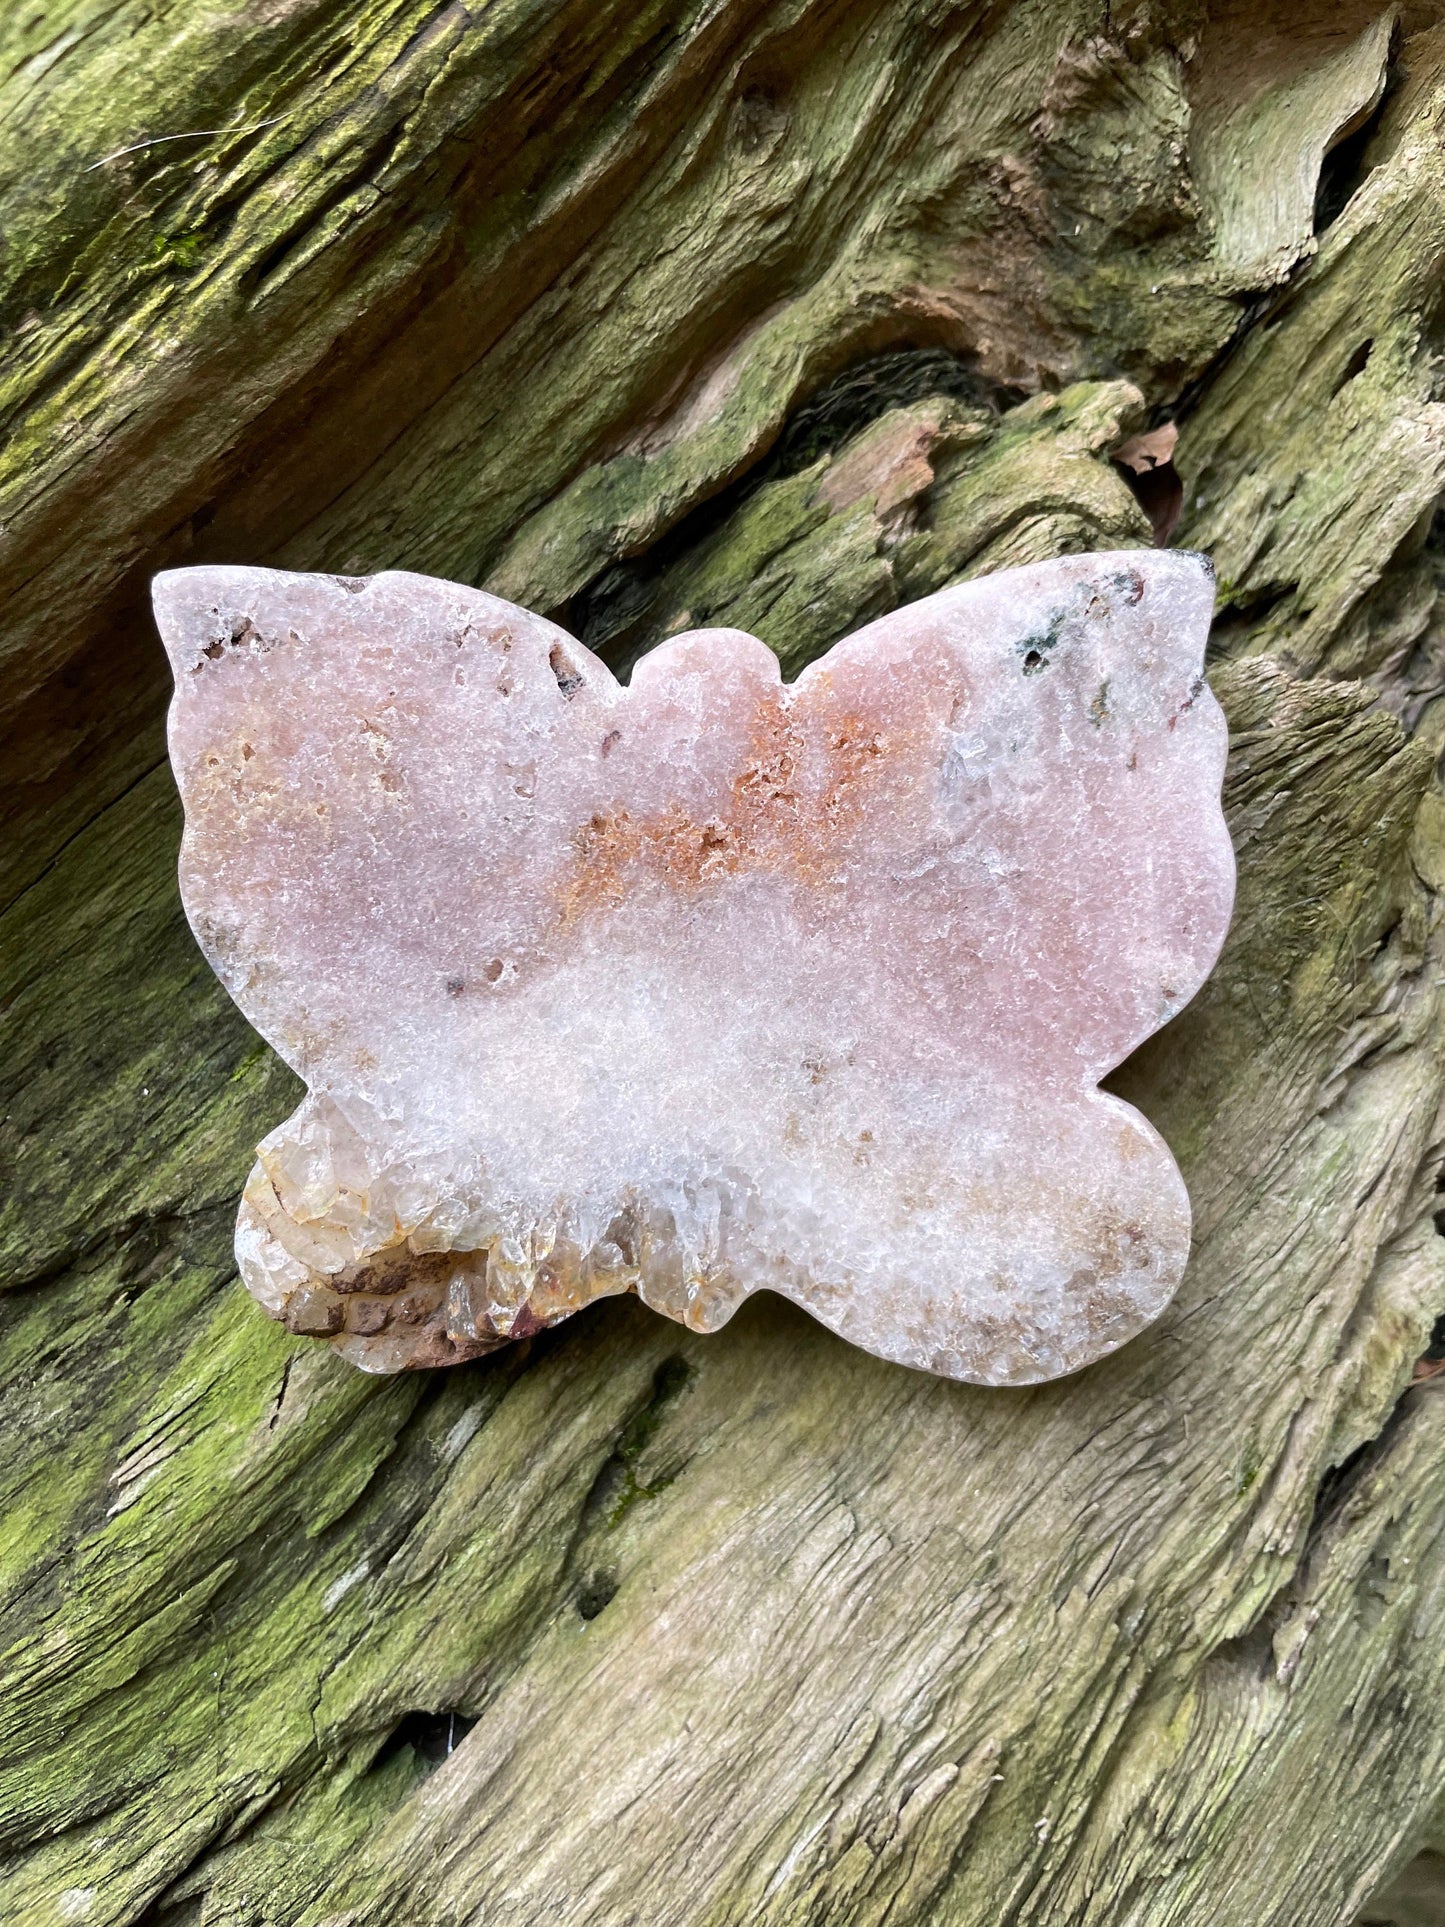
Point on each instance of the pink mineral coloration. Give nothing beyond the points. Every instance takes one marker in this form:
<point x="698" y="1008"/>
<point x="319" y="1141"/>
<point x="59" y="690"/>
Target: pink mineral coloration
<point x="709" y="984"/>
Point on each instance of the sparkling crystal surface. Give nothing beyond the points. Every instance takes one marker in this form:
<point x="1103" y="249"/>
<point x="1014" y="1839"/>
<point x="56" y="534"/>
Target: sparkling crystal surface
<point x="708" y="984"/>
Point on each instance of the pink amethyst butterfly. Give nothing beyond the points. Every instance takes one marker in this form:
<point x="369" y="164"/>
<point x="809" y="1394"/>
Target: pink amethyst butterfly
<point x="708" y="984"/>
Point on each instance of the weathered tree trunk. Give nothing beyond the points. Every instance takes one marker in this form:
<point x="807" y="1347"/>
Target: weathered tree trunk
<point x="777" y="313"/>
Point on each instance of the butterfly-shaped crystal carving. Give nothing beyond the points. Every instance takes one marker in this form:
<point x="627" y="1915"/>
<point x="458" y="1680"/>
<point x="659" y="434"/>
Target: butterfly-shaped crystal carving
<point x="708" y="984"/>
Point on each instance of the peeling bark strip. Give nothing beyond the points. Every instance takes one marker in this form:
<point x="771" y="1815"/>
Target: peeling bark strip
<point x="779" y="316"/>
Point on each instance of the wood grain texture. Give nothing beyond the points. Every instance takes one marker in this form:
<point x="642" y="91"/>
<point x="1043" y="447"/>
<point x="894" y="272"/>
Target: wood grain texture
<point x="774" y="314"/>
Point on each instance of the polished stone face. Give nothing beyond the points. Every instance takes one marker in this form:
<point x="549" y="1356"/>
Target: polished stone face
<point x="710" y="984"/>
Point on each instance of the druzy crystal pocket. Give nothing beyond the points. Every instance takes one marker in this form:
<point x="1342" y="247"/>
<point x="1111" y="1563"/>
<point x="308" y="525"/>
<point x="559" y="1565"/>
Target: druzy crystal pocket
<point x="709" y="984"/>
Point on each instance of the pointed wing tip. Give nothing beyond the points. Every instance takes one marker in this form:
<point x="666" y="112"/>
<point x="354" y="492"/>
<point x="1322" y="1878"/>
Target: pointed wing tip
<point x="179" y="589"/>
<point x="1186" y="576"/>
<point x="1185" y="567"/>
<point x="1190" y="564"/>
<point x="173" y="601"/>
<point x="1192" y="576"/>
<point x="186" y="604"/>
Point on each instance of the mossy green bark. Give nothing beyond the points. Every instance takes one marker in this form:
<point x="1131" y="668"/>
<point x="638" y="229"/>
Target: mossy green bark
<point x="775" y="315"/>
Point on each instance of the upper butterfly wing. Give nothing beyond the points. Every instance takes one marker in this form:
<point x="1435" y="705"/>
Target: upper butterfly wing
<point x="369" y="766"/>
<point x="1053" y="843"/>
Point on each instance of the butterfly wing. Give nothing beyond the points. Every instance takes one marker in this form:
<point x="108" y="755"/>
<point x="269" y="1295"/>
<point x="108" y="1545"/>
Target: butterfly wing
<point x="1025" y="776"/>
<point x="1058" y="840"/>
<point x="367" y="764"/>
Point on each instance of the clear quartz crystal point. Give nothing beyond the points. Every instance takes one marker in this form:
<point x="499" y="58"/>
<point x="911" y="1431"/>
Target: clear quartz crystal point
<point x="712" y="983"/>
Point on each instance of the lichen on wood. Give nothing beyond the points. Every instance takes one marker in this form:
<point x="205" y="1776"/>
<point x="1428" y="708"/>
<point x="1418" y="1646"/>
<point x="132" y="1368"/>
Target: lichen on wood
<point x="781" y="315"/>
